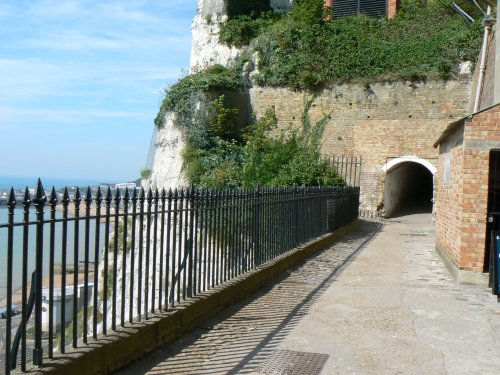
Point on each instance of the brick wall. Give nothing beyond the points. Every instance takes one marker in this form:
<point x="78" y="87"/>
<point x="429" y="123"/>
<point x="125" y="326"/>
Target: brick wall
<point x="481" y="135"/>
<point x="447" y="210"/>
<point x="462" y="204"/>
<point x="375" y="122"/>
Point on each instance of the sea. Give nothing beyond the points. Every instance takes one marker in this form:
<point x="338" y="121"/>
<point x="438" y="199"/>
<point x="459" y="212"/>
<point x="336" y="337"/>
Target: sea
<point x="7" y="182"/>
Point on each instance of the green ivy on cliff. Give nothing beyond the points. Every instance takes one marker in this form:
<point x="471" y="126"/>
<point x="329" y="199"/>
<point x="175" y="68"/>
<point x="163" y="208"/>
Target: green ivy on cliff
<point x="183" y="95"/>
<point x="241" y="30"/>
<point x="303" y="51"/>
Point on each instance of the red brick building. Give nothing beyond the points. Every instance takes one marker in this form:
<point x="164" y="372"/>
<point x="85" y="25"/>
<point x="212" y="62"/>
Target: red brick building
<point x="468" y="193"/>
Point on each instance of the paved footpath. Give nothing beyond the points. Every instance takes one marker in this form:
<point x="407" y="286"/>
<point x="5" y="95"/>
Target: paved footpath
<point x="378" y="302"/>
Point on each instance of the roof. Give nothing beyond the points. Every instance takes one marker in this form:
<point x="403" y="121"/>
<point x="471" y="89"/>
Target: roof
<point x="455" y="124"/>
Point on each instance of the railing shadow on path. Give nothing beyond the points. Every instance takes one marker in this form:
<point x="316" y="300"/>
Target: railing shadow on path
<point x="240" y="339"/>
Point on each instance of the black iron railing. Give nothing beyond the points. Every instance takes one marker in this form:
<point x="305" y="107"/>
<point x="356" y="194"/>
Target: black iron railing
<point x="349" y="167"/>
<point x="103" y="260"/>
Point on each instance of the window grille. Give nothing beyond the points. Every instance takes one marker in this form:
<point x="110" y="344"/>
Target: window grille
<point x="371" y="8"/>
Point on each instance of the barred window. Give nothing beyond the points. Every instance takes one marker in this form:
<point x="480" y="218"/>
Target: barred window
<point x="371" y="8"/>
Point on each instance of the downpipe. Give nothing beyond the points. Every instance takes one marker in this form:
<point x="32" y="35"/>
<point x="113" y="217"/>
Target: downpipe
<point x="488" y="20"/>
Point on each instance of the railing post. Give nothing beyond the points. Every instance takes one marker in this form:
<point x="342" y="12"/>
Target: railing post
<point x="168" y="266"/>
<point x="134" y="200"/>
<point x="163" y="198"/>
<point x="39" y="202"/>
<point x="142" y="199"/>
<point x="10" y="255"/>
<point x="175" y="199"/>
<point x="98" y="201"/>
<point x="156" y="199"/>
<point x="126" y="201"/>
<point x="257" y="260"/>
<point x="116" y="240"/>
<point x="88" y="201"/>
<point x="105" y="282"/>
<point x="191" y="262"/>
<point x="64" y="250"/>
<point x="295" y="198"/>
<point x="77" y="200"/>
<point x="53" y="202"/>
<point x="24" y="303"/>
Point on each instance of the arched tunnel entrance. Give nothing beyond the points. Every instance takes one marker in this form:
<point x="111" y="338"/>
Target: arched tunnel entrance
<point x="408" y="188"/>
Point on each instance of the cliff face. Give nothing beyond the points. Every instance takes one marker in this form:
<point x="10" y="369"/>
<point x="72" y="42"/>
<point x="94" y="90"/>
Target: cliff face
<point x="167" y="165"/>
<point x="206" y="49"/>
<point x="167" y="169"/>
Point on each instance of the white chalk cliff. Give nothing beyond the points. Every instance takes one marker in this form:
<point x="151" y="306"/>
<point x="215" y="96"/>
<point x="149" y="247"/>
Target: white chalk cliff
<point x="206" y="50"/>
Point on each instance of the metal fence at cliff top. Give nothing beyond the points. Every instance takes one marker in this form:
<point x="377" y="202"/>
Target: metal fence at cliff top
<point x="79" y="267"/>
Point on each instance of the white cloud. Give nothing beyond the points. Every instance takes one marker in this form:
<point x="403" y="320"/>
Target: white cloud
<point x="73" y="66"/>
<point x="12" y="116"/>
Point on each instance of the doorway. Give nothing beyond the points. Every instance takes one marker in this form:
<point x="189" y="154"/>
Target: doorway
<point x="409" y="188"/>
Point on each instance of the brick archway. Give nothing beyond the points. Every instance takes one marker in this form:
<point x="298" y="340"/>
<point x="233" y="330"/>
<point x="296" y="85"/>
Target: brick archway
<point x="387" y="167"/>
<point x="409" y="186"/>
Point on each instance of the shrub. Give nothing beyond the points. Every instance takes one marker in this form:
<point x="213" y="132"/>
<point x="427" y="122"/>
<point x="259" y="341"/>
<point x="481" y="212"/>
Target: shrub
<point x="146" y="173"/>
<point x="292" y="158"/>
<point x="305" y="13"/>
<point x="430" y="44"/>
<point x="259" y="158"/>
<point x="241" y="30"/>
<point x="223" y="121"/>
<point x="236" y="8"/>
<point x="179" y="97"/>
<point x="426" y="40"/>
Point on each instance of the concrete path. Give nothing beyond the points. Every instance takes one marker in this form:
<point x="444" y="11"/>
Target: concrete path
<point x="378" y="302"/>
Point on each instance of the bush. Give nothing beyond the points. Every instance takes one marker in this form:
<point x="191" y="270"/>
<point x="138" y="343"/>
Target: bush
<point x="179" y="97"/>
<point x="239" y="31"/>
<point x="430" y="44"/>
<point x="261" y="159"/>
<point x="146" y="173"/>
<point x="426" y="40"/>
<point x="236" y="8"/>
<point x="223" y="122"/>
<point x="292" y="158"/>
<point x="305" y="13"/>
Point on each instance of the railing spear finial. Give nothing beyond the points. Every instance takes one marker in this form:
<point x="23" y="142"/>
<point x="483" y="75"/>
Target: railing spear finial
<point x="40" y="196"/>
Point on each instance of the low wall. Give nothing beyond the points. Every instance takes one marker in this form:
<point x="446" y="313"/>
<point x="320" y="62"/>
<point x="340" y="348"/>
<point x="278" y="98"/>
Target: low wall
<point x="133" y="341"/>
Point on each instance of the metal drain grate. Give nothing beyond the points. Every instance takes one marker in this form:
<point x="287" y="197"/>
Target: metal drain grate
<point x="288" y="362"/>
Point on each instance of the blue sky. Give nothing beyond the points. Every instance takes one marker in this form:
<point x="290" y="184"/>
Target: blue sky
<point x="81" y="82"/>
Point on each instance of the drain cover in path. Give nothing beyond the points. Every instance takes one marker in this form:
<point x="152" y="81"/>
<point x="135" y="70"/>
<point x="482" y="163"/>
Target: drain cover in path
<point x="288" y="362"/>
